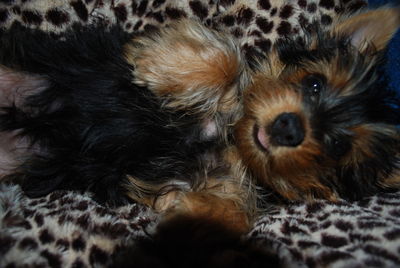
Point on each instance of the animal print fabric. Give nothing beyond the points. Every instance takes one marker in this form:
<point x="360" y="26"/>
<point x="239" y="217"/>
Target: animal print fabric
<point x="68" y="229"/>
<point x="257" y="24"/>
<point x="343" y="234"/>
<point x="65" y="229"/>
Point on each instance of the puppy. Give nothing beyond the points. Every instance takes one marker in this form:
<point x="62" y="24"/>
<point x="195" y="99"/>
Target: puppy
<point x="143" y="118"/>
<point x="316" y="121"/>
<point x="175" y="119"/>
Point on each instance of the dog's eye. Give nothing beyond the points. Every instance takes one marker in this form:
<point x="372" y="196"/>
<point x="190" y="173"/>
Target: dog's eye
<point x="339" y="147"/>
<point x="312" y="86"/>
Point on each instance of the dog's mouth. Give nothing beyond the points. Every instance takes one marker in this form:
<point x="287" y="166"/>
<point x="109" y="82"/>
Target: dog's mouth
<point x="261" y="138"/>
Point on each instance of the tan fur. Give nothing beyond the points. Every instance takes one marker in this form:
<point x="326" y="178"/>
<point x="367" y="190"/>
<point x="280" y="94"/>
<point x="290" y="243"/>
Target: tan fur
<point x="294" y="172"/>
<point x="219" y="202"/>
<point x="362" y="136"/>
<point x="374" y="27"/>
<point x="291" y="172"/>
<point x="230" y="198"/>
<point x="158" y="196"/>
<point x="391" y="181"/>
<point x="190" y="66"/>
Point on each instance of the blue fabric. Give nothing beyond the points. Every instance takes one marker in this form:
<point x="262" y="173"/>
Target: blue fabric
<point x="392" y="69"/>
<point x="393" y="65"/>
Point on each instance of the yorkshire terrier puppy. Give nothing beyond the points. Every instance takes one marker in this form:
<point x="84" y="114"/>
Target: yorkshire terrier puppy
<point x="315" y="119"/>
<point x="145" y="118"/>
<point x="174" y="119"/>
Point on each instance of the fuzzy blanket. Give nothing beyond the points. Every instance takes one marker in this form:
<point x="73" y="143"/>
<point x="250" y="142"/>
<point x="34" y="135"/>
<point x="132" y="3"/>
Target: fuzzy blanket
<point x="68" y="229"/>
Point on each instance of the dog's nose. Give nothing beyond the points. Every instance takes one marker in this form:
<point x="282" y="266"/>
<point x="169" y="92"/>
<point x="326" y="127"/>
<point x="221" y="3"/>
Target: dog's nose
<point x="287" y="130"/>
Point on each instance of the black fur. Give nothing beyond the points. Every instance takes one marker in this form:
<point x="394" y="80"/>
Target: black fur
<point x="188" y="241"/>
<point x="93" y="125"/>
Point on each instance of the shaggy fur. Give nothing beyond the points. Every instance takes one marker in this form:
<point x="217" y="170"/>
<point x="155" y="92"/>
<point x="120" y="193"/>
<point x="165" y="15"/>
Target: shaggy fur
<point x="318" y="121"/>
<point x="92" y="112"/>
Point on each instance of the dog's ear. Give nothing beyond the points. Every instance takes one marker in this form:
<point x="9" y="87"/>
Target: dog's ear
<point x="375" y="27"/>
<point x="188" y="65"/>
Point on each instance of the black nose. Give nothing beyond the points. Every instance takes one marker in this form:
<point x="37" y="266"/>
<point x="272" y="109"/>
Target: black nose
<point x="287" y="130"/>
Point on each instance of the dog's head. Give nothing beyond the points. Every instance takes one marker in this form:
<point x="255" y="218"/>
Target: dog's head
<point x="318" y="120"/>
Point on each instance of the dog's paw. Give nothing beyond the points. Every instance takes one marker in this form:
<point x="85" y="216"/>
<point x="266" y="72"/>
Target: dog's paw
<point x="206" y="206"/>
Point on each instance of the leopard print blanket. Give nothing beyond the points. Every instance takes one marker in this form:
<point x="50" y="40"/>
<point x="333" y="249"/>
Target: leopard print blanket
<point x="68" y="229"/>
